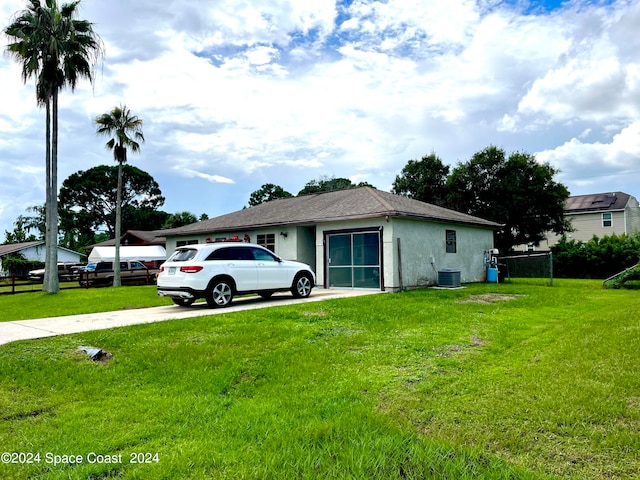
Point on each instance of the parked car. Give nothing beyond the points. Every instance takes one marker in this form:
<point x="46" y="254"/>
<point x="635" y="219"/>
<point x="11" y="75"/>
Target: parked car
<point x="131" y="273"/>
<point x="66" y="272"/>
<point x="218" y="271"/>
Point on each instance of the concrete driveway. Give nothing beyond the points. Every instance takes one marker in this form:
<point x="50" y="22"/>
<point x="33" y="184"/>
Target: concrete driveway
<point x="50" y="327"/>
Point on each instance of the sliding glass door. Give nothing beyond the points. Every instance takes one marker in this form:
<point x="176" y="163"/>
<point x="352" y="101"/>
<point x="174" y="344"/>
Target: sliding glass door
<point x="354" y="260"/>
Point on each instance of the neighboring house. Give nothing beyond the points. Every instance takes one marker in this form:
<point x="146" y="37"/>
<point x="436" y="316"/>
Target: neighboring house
<point x="599" y="214"/>
<point x="36" y="251"/>
<point x="360" y="237"/>
<point x="136" y="237"/>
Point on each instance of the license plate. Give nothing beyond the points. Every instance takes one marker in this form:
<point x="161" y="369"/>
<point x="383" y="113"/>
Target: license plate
<point x="172" y="270"/>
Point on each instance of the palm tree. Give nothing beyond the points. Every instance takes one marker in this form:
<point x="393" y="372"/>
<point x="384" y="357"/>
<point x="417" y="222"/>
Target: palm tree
<point x="57" y="50"/>
<point x="119" y="124"/>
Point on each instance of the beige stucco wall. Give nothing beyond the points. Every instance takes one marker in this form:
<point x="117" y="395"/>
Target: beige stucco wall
<point x="422" y="245"/>
<point x="423" y="252"/>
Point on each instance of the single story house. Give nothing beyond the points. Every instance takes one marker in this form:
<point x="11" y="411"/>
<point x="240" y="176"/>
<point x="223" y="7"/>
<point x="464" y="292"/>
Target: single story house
<point x="599" y="214"/>
<point x="357" y="238"/>
<point x="36" y="251"/>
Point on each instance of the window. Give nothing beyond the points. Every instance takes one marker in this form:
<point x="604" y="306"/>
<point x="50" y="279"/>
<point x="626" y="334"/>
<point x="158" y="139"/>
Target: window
<point x="607" y="220"/>
<point x="268" y="241"/>
<point x="183" y="255"/>
<point x="182" y="243"/>
<point x="451" y="241"/>
<point x="263" y="255"/>
<point x="231" y="253"/>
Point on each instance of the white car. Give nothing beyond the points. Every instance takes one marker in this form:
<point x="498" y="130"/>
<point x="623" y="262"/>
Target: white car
<point x="218" y="271"/>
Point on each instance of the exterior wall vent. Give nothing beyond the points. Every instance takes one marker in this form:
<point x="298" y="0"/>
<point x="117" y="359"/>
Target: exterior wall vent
<point x="449" y="278"/>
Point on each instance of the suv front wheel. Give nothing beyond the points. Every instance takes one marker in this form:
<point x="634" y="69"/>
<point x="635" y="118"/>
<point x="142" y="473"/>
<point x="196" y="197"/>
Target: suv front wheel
<point x="302" y="285"/>
<point x="220" y="293"/>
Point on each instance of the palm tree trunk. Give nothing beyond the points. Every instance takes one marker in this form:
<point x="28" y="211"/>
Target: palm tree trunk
<point x="116" y="261"/>
<point x="52" y="199"/>
<point x="50" y="282"/>
<point x="46" y="282"/>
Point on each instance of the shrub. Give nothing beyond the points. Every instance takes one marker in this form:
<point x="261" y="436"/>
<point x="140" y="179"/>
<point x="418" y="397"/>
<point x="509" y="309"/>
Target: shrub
<point x="17" y="265"/>
<point x="597" y="258"/>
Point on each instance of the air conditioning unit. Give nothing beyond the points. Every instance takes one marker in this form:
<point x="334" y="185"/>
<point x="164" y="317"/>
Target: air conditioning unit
<point x="449" y="278"/>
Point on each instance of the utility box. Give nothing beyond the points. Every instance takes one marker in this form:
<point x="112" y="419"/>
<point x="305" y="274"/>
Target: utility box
<point x="492" y="275"/>
<point x="449" y="278"/>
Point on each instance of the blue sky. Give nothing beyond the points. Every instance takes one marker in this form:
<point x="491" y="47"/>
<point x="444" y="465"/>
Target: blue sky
<point x="235" y="95"/>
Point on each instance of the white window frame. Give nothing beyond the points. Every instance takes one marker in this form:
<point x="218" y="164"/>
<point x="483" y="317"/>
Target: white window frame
<point x="267" y="240"/>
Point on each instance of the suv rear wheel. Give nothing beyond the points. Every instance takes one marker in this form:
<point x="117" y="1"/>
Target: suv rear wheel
<point x="302" y="285"/>
<point x="220" y="293"/>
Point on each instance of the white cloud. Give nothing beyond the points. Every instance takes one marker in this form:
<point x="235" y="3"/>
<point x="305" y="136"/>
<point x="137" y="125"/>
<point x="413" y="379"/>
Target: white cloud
<point x="210" y="178"/>
<point x="594" y="165"/>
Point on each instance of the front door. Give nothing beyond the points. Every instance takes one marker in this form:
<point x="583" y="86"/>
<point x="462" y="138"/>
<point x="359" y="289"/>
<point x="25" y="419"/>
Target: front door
<point x="354" y="260"/>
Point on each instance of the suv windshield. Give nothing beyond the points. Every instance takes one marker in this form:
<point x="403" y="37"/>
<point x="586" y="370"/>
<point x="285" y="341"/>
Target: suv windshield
<point x="183" y="255"/>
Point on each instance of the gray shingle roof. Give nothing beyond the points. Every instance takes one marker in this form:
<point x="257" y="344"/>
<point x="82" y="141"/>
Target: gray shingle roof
<point x="597" y="202"/>
<point x="144" y="237"/>
<point x="339" y="205"/>
<point x="16" y="247"/>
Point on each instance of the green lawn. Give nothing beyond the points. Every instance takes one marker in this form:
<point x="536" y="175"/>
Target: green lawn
<point x="504" y="381"/>
<point x="23" y="306"/>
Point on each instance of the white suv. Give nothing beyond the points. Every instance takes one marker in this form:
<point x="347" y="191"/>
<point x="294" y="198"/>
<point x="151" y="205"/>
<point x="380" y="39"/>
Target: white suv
<point x="218" y="271"/>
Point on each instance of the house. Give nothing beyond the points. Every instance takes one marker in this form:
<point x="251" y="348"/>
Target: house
<point x="136" y="237"/>
<point x="359" y="238"/>
<point x="599" y="214"/>
<point x="36" y="251"/>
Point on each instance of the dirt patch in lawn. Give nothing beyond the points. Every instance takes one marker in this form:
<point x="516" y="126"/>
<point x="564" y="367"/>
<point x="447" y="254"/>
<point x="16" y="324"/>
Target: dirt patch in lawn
<point x="488" y="298"/>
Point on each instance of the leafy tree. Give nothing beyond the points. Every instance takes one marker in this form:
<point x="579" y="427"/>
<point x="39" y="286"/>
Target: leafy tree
<point x="24" y="225"/>
<point x="517" y="191"/>
<point x="57" y="50"/>
<point x="142" y="218"/>
<point x="89" y="199"/>
<point x="328" y="184"/>
<point x="19" y="234"/>
<point x="266" y="193"/>
<point x="125" y="131"/>
<point x="180" y="219"/>
<point x="423" y="180"/>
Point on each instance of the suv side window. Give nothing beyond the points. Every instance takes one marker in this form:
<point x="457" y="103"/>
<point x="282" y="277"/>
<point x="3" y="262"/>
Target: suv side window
<point x="231" y="253"/>
<point x="262" y="255"/>
<point x="137" y="266"/>
<point x="219" y="254"/>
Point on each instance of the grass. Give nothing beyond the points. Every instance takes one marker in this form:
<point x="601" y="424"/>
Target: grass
<point x="7" y="286"/>
<point x="515" y="381"/>
<point x="24" y="306"/>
